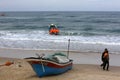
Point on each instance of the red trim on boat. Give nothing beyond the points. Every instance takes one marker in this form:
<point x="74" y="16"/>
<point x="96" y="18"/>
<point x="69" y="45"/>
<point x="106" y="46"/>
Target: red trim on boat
<point x="50" y="63"/>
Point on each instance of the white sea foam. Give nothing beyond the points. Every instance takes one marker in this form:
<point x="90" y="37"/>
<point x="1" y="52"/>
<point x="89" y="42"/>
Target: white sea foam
<point x="42" y="40"/>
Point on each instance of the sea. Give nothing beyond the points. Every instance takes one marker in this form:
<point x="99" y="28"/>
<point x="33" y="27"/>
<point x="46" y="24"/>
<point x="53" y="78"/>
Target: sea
<point x="88" y="31"/>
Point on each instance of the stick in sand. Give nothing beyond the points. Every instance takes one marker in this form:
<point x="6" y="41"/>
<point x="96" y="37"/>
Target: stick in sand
<point x="68" y="48"/>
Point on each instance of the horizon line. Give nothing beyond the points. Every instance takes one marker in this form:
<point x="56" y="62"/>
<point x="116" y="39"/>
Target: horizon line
<point x="57" y="11"/>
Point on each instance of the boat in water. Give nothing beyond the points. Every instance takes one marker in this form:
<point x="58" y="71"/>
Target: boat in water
<point x="2" y="14"/>
<point x="53" y="30"/>
<point x="57" y="63"/>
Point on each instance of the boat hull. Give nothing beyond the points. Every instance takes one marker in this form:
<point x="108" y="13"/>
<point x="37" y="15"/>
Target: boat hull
<point x="45" y="67"/>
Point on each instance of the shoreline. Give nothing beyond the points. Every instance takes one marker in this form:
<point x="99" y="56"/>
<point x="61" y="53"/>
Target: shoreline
<point x="63" y="46"/>
<point x="58" y="50"/>
<point x="78" y="57"/>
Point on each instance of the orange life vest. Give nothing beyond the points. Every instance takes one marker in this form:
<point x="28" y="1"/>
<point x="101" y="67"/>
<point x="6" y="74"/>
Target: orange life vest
<point x="57" y="30"/>
<point x="53" y="31"/>
<point x="106" y="55"/>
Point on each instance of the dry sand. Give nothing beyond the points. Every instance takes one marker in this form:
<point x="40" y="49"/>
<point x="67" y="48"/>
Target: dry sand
<point x="79" y="72"/>
<point x="86" y="66"/>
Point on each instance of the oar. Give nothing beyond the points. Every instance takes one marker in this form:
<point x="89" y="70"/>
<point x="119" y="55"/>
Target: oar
<point x="43" y="68"/>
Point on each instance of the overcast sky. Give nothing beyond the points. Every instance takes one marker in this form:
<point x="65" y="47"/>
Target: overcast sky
<point x="59" y="5"/>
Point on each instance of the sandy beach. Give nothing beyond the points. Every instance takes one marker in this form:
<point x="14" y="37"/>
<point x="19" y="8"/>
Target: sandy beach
<point x="86" y="66"/>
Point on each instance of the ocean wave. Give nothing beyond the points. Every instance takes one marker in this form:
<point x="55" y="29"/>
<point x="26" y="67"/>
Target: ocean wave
<point x="64" y="36"/>
<point x="58" y="44"/>
<point x="69" y="33"/>
<point x="114" y="31"/>
<point x="30" y="29"/>
<point x="16" y="17"/>
<point x="42" y="40"/>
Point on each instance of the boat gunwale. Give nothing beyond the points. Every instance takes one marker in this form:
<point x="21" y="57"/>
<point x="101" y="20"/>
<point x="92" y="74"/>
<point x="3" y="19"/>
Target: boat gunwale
<point x="49" y="61"/>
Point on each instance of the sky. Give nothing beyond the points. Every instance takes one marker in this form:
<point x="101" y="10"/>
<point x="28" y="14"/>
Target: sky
<point x="59" y="5"/>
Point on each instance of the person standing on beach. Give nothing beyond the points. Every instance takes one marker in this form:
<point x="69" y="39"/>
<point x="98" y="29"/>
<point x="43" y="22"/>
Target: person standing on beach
<point x="102" y="57"/>
<point x="105" y="59"/>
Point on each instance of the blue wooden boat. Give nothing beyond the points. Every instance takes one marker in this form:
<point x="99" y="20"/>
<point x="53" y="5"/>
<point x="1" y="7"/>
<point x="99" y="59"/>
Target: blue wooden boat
<point x="57" y="64"/>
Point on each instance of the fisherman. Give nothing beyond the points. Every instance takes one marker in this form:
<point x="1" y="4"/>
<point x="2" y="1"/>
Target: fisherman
<point x="51" y="31"/>
<point x="105" y="59"/>
<point x="54" y="31"/>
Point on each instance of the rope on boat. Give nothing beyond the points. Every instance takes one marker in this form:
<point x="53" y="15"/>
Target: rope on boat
<point x="43" y="68"/>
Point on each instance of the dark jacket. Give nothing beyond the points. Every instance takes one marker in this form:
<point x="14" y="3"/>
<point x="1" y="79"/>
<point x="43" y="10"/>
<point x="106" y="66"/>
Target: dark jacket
<point x="104" y="58"/>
